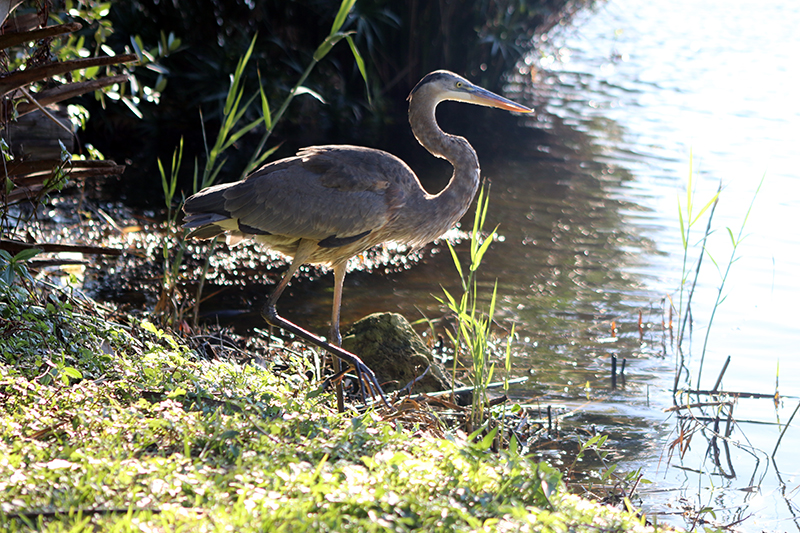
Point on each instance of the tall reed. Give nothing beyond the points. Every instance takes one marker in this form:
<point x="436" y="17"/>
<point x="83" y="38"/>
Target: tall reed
<point x="688" y="218"/>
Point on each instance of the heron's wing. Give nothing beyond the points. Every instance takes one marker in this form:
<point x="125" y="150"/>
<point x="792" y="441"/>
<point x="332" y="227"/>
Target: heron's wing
<point x="324" y="192"/>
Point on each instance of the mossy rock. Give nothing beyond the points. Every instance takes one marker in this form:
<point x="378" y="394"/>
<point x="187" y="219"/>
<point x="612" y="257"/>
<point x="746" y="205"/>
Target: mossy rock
<point x="388" y="344"/>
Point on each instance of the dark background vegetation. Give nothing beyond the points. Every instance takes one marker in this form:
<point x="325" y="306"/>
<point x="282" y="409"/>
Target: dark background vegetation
<point x="400" y="42"/>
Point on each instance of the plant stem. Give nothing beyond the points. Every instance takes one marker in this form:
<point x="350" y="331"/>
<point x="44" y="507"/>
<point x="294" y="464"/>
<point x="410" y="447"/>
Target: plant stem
<point x="735" y="242"/>
<point x="686" y="315"/>
<point x="276" y="118"/>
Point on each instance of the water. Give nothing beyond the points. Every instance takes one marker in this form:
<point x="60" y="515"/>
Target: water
<point x="651" y="84"/>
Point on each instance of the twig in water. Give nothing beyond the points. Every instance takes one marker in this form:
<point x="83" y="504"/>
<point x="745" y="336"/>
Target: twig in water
<point x="695" y="405"/>
<point x="722" y="373"/>
<point x="788" y="423"/>
<point x="751" y="395"/>
<point x="613" y="371"/>
<point x="729" y="425"/>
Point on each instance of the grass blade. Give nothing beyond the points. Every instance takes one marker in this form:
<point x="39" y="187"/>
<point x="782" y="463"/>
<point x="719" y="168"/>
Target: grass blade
<point x="344" y="10"/>
<point x="361" y="66"/>
<point x="265" y="113"/>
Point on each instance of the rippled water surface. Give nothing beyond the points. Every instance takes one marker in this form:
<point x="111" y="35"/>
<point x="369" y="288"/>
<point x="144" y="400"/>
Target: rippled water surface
<point x="654" y="86"/>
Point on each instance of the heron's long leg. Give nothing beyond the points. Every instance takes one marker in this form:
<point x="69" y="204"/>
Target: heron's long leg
<point x="304" y="250"/>
<point x="339" y="270"/>
<point x="270" y="314"/>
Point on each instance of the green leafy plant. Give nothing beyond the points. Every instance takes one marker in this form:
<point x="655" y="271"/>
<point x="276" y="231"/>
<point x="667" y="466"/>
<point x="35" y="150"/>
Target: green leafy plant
<point x="688" y="218"/>
<point x="172" y="244"/>
<point x="14" y="267"/>
<point x="687" y="221"/>
<point x="473" y="325"/>
<point x="720" y="297"/>
<point x="595" y="444"/>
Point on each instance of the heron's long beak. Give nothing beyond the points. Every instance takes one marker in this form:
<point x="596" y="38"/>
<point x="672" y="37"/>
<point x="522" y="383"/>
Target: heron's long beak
<point x="486" y="98"/>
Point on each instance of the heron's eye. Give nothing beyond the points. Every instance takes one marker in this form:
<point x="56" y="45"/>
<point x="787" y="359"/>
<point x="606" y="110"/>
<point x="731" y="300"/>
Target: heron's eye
<point x="459" y="84"/>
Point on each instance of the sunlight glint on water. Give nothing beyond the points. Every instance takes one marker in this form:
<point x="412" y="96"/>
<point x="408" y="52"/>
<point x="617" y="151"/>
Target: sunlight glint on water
<point x="653" y="82"/>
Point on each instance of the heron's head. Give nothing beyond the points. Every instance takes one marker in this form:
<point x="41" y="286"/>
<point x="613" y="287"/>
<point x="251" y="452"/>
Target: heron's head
<point x="443" y="85"/>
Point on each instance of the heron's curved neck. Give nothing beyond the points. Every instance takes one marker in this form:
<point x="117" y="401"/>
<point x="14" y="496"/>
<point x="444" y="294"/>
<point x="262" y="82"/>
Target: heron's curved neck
<point x="452" y="202"/>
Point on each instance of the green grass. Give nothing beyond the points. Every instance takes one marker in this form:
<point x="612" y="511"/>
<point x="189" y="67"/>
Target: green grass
<point x="144" y="435"/>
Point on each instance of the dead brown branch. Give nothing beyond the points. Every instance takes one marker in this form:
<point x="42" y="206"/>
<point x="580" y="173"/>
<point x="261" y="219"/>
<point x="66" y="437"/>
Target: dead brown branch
<point x="62" y="92"/>
<point x="14" y="247"/>
<point x="21" y="78"/>
<point x="15" y="38"/>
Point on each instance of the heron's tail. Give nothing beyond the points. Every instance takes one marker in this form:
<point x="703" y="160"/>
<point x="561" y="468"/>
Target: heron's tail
<point x="204" y="211"/>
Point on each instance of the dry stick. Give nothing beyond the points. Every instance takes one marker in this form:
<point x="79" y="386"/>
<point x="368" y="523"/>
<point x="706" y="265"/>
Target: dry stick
<point x="777" y="444"/>
<point x="62" y="92"/>
<point x="729" y="425"/>
<point x="635" y="485"/>
<point x="47" y="113"/>
<point x="12" y="39"/>
<point x="27" y="168"/>
<point x="6" y="7"/>
<point x="21" y="78"/>
<point x="696" y="404"/>
<point x="728" y="458"/>
<point x="715" y="448"/>
<point x="698" y="419"/>
<point x="13" y="247"/>
<point x="722" y="373"/>
<point x="716" y="460"/>
<point x="704" y="392"/>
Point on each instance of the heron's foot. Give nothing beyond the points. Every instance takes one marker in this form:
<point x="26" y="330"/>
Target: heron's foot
<point x="366" y="377"/>
<point x="269" y="313"/>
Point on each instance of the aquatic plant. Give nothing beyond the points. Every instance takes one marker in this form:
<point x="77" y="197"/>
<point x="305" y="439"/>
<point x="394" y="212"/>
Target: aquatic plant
<point x="474" y="325"/>
<point x="688" y="219"/>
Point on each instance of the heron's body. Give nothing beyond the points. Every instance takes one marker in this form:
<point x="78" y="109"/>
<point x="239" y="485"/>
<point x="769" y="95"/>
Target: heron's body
<point x="344" y="199"/>
<point x="329" y="203"/>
